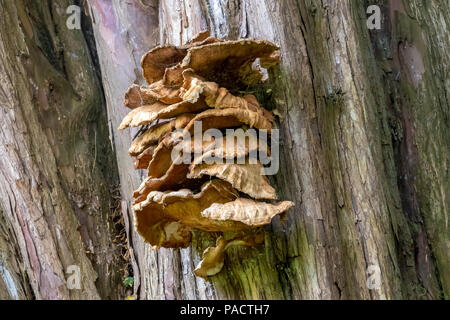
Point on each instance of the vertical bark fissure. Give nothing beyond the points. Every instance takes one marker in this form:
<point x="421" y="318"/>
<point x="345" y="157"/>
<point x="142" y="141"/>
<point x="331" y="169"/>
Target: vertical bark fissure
<point x="57" y="153"/>
<point x="337" y="146"/>
<point x="401" y="33"/>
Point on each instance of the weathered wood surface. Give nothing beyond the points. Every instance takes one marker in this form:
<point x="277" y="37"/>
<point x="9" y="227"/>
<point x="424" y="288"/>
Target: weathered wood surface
<point x="56" y="167"/>
<point x="124" y="31"/>
<point x="365" y="145"/>
<point x="364" y="117"/>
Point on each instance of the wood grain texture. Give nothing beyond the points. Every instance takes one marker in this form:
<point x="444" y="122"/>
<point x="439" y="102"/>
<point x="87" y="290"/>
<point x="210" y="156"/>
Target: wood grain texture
<point x="351" y="132"/>
<point x="56" y="172"/>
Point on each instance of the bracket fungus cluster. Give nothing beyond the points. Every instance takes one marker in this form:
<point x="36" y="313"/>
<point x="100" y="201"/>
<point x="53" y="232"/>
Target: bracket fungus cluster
<point x="188" y="85"/>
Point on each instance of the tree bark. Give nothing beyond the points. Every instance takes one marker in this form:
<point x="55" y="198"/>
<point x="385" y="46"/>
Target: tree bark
<point x="364" y="117"/>
<point x="56" y="170"/>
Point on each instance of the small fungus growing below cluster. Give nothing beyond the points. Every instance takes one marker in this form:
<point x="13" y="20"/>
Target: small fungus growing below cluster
<point x="186" y="85"/>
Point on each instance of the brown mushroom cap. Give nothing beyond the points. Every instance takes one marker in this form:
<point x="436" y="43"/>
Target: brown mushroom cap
<point x="137" y="96"/>
<point x="246" y="178"/>
<point x="250" y="212"/>
<point x="184" y="82"/>
<point x="226" y="61"/>
<point x="238" y="145"/>
<point x="185" y="207"/>
<point x="241" y="145"/>
<point x="173" y="178"/>
<point x="142" y="115"/>
<point x="162" y="158"/>
<point x="213" y="257"/>
<point x="229" y="118"/>
<point x="156" y="132"/>
<point x="148" y="113"/>
<point x="161" y="231"/>
<point x="212" y="260"/>
<point x="142" y="161"/>
<point x="216" y="97"/>
<point x="155" y="62"/>
<point x="199" y="37"/>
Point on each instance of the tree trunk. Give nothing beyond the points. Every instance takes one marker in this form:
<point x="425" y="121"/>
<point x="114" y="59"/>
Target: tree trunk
<point x="364" y="119"/>
<point x="57" y="175"/>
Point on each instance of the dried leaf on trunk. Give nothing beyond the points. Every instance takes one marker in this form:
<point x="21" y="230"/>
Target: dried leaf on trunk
<point x="246" y="178"/>
<point x="250" y="212"/>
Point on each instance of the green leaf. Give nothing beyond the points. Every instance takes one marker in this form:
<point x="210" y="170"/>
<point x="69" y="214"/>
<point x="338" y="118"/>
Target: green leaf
<point x="128" y="282"/>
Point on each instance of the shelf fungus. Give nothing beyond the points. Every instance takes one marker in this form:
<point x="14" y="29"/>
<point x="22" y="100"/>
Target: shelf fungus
<point x="205" y="147"/>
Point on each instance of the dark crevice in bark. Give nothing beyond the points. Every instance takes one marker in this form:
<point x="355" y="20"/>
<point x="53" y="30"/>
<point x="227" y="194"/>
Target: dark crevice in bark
<point x="11" y="266"/>
<point x="314" y="256"/>
<point x="70" y="156"/>
<point x="406" y="161"/>
<point x="88" y="32"/>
